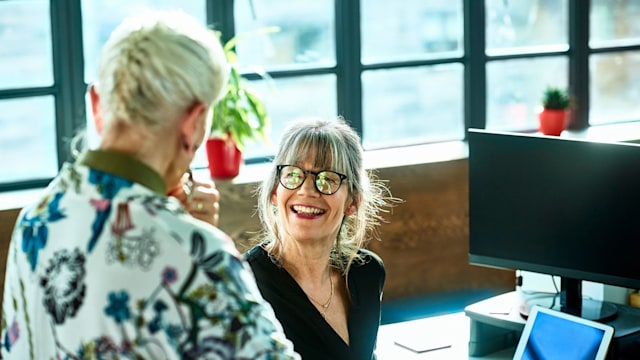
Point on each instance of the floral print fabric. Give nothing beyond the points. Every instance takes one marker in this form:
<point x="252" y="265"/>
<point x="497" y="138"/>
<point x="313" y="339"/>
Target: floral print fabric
<point x="104" y="268"/>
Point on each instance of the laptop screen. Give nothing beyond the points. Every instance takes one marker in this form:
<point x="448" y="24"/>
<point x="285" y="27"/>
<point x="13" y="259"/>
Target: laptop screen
<point x="550" y="334"/>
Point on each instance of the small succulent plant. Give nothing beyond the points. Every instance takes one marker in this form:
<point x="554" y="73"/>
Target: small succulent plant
<point x="555" y="99"/>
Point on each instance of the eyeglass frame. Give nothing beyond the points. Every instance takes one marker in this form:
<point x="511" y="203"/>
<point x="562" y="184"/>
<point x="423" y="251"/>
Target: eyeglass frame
<point x="315" y="178"/>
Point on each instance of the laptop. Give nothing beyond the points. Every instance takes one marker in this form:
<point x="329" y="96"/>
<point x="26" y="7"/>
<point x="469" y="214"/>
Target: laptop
<point x="550" y="334"/>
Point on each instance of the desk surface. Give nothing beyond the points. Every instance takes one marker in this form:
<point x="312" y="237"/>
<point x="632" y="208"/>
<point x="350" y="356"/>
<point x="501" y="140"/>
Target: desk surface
<point x="450" y="330"/>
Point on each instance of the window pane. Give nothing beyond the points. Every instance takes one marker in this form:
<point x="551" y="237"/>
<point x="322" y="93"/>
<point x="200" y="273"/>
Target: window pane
<point x="25" y="50"/>
<point x="306" y="35"/>
<point x="615" y="87"/>
<point x="614" y="20"/>
<point x="417" y="29"/>
<point x="28" y="139"/>
<point x="515" y="89"/>
<point x="99" y="18"/>
<point x="277" y="95"/>
<point x="412" y="106"/>
<point x="525" y="23"/>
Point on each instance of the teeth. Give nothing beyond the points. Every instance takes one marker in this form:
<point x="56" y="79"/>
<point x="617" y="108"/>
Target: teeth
<point x="307" y="210"/>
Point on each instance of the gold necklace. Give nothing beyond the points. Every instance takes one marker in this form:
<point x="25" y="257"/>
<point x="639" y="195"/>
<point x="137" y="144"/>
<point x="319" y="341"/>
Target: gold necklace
<point x="324" y="306"/>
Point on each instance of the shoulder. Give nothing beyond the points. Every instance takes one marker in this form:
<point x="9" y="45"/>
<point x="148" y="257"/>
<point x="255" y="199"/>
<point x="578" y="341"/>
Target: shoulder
<point x="370" y="260"/>
<point x="255" y="254"/>
<point x="366" y="277"/>
<point x="260" y="262"/>
<point x="259" y="259"/>
<point x="369" y="265"/>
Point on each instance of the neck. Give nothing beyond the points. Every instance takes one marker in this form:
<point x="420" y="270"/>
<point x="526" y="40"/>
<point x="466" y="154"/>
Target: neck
<point x="142" y="144"/>
<point x="317" y="272"/>
<point x="311" y="264"/>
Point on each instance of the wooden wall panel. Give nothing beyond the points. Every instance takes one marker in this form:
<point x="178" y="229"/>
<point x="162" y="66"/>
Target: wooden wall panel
<point x="7" y="223"/>
<point x="238" y="216"/>
<point x="424" y="244"/>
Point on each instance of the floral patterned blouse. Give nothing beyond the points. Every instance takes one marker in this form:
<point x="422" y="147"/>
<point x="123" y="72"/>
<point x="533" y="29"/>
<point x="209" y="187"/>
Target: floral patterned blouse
<point x="106" y="266"/>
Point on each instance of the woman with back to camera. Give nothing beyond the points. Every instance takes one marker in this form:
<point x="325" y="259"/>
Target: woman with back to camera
<point x="105" y="264"/>
<point x="319" y="207"/>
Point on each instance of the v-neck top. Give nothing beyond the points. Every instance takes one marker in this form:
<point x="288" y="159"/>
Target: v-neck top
<point x="312" y="336"/>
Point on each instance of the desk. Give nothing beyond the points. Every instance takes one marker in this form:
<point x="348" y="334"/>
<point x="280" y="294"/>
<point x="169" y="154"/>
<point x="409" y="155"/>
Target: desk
<point x="454" y="328"/>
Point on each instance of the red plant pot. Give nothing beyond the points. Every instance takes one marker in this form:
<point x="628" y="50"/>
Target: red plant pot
<point x="552" y="122"/>
<point x="224" y="158"/>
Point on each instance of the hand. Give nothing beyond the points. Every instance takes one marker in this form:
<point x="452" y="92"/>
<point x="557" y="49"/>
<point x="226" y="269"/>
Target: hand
<point x="200" y="198"/>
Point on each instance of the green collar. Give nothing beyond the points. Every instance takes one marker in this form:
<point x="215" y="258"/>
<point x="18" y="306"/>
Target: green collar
<point x="125" y="166"/>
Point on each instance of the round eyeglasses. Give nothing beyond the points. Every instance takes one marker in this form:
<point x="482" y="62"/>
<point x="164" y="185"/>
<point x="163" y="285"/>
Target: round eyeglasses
<point x="292" y="177"/>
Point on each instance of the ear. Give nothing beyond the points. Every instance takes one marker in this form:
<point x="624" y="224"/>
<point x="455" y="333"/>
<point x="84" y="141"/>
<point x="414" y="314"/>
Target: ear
<point x="274" y="198"/>
<point x="192" y="128"/>
<point x="351" y="208"/>
<point x="95" y="109"/>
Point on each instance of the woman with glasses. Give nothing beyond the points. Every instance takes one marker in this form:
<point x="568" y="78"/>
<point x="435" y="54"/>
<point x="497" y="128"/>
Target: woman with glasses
<point x="319" y="208"/>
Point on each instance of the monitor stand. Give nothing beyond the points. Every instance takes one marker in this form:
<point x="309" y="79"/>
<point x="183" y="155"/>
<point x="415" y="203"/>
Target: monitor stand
<point x="601" y="311"/>
<point x="570" y="301"/>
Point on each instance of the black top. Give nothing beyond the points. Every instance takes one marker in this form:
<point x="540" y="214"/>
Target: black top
<point x="312" y="336"/>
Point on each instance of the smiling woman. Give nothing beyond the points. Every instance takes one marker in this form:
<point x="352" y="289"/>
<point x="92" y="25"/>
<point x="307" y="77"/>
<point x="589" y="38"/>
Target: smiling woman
<point x="319" y="209"/>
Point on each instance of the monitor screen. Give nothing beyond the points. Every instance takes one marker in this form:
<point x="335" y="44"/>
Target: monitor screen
<point x="555" y="205"/>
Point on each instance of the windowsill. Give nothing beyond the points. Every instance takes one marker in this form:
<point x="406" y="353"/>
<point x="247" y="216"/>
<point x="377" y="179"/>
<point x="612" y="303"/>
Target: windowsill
<point x="379" y="159"/>
<point x="626" y="132"/>
<point x="10" y="200"/>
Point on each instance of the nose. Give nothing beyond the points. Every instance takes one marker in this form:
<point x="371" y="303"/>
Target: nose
<point x="309" y="184"/>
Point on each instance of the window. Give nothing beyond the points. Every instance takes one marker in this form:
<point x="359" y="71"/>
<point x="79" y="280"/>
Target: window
<point x="300" y="56"/>
<point x="513" y="95"/>
<point x="514" y="82"/>
<point x="614" y="89"/>
<point x="412" y="105"/>
<point x="25" y="22"/>
<point x="27" y="109"/>
<point x="99" y="18"/>
<point x="413" y="73"/>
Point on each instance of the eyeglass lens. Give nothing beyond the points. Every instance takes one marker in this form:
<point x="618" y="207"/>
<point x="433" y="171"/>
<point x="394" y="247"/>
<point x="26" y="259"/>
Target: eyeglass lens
<point x="326" y="181"/>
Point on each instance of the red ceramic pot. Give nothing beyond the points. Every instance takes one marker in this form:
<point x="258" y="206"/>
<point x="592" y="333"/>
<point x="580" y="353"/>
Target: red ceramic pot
<point x="224" y="158"/>
<point x="552" y="122"/>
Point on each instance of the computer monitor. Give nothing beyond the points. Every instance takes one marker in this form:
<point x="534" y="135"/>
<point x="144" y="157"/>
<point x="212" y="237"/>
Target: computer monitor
<point x="559" y="206"/>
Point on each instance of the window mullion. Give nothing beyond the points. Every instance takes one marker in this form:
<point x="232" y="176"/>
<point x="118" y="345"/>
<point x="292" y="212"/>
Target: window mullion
<point x="349" y="66"/>
<point x="68" y="68"/>
<point x="220" y="17"/>
<point x="579" y="61"/>
<point x="475" y="70"/>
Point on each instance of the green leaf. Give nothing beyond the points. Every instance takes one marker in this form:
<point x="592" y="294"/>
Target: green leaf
<point x="240" y="112"/>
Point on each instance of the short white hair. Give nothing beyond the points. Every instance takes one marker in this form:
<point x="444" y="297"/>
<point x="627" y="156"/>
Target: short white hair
<point x="157" y="65"/>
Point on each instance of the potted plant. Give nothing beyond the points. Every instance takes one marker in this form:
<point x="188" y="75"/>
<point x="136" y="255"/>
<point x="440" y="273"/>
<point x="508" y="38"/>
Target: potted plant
<point x="555" y="110"/>
<point x="238" y="118"/>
